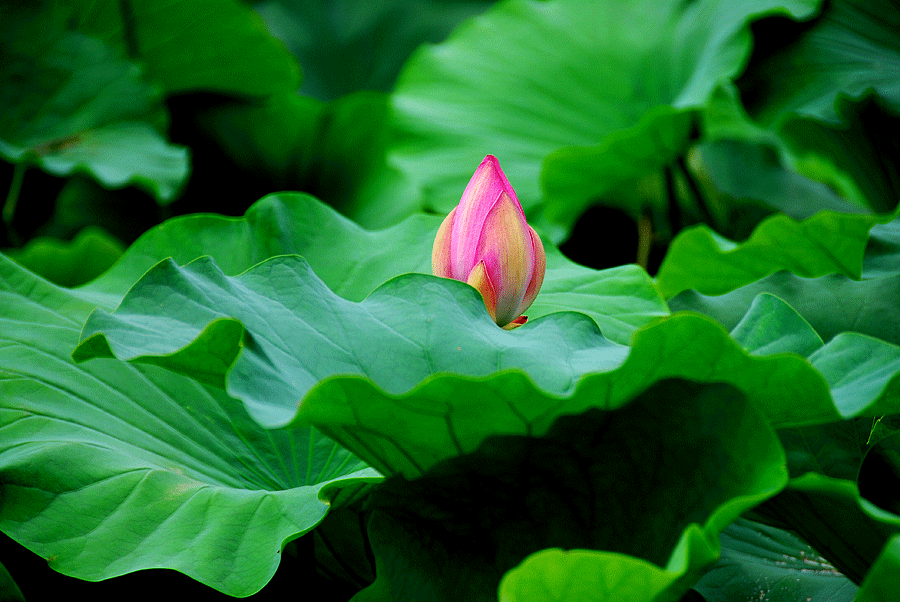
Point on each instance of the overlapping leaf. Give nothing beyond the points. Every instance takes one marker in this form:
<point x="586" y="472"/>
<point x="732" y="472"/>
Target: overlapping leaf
<point x="450" y="534"/>
<point x="844" y="53"/>
<point x="74" y="102"/>
<point x="755" y="173"/>
<point x="284" y="307"/>
<point x="585" y="77"/>
<point x="833" y="497"/>
<point x="831" y="304"/>
<point x="341" y="45"/>
<point x="556" y="575"/>
<point x="89" y="254"/>
<point x="825" y="243"/>
<point x="772" y="326"/>
<point x="189" y="45"/>
<point x="882" y="258"/>
<point x="114" y="434"/>
<point x="277" y="338"/>
<point x="618" y="300"/>
<point x="764" y="563"/>
<point x="109" y="468"/>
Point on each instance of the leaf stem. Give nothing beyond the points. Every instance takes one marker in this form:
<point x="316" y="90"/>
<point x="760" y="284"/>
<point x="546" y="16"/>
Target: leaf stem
<point x="129" y="29"/>
<point x="696" y="192"/>
<point x="674" y="210"/>
<point x="12" y="197"/>
<point x="645" y="240"/>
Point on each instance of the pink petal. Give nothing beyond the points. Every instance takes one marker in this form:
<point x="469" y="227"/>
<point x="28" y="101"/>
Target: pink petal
<point x="537" y="275"/>
<point x="481" y="281"/>
<point x="481" y="194"/>
<point x="506" y="249"/>
<point x="440" y="253"/>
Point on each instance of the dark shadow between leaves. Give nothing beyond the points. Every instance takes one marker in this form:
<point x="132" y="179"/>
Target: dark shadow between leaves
<point x="626" y="481"/>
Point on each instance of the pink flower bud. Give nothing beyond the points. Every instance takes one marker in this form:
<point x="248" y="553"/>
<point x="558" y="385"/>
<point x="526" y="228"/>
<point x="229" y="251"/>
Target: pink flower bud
<point x="486" y="242"/>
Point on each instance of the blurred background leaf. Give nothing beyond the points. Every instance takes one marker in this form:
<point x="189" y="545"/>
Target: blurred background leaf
<point x="350" y="45"/>
<point x="73" y="102"/>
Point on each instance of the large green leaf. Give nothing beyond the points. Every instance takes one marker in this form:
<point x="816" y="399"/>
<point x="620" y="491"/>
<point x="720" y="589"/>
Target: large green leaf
<point x="882" y="258"/>
<point x="76" y="103"/>
<point x="591" y="482"/>
<point x="831" y="304"/>
<point x="88" y="255"/>
<point x="772" y="326"/>
<point x="351" y="45"/>
<point x="755" y="173"/>
<point x="830" y="90"/>
<point x="556" y="575"/>
<point x="619" y="300"/>
<point x="825" y="243"/>
<point x="284" y="306"/>
<point x="189" y="45"/>
<point x="252" y="334"/>
<point x="839" y="523"/>
<point x="108" y="468"/>
<point x="529" y="78"/>
<point x="760" y="562"/>
<point x="849" y="50"/>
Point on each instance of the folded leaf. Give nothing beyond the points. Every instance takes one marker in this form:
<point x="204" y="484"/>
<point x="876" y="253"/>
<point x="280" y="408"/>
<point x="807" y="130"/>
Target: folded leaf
<point x="826" y="243"/>
<point x="639" y="493"/>
<point x="619" y="300"/>
<point x="190" y="45"/>
<point x="75" y="102"/>
<point x="277" y="338"/>
<point x="484" y="90"/>
<point x="108" y="468"/>
<point x="830" y="304"/>
<point x="770" y="564"/>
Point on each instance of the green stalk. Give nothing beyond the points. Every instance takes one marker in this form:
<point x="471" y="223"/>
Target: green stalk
<point x="645" y="241"/>
<point x="696" y="192"/>
<point x="129" y="29"/>
<point x="12" y="197"/>
<point x="674" y="209"/>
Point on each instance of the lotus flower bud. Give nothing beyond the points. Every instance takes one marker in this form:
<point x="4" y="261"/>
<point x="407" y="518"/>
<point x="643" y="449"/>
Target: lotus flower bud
<point x="486" y="242"/>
